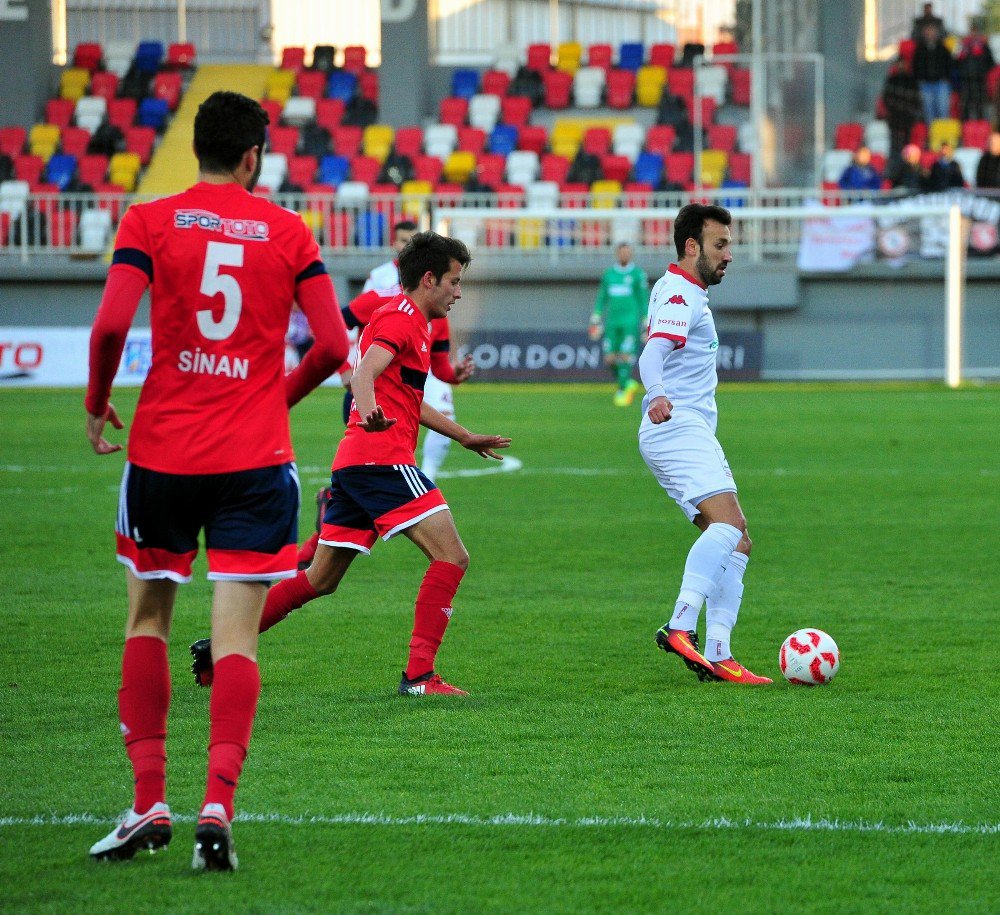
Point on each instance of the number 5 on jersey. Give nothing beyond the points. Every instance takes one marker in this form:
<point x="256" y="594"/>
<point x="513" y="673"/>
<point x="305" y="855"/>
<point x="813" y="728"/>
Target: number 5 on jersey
<point x="220" y="254"/>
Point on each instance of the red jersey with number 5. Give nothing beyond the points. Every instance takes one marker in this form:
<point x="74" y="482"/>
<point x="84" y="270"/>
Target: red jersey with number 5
<point x="223" y="267"/>
<point x="401" y="328"/>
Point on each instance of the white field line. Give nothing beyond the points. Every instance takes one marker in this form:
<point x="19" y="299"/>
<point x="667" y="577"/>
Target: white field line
<point x="724" y="824"/>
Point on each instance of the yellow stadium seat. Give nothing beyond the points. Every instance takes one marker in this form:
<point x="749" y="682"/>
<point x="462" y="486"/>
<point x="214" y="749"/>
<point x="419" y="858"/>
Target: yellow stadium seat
<point x="566" y="138"/>
<point x="415" y="194"/>
<point x="279" y="85"/>
<point x="951" y="43"/>
<point x="945" y="130"/>
<point x="604" y="194"/>
<point x="43" y="140"/>
<point x="649" y="83"/>
<point x="377" y="141"/>
<point x="568" y="56"/>
<point x="313" y="219"/>
<point x="124" y="169"/>
<point x="459" y="166"/>
<point x="529" y="233"/>
<point x="73" y="83"/>
<point x="714" y="163"/>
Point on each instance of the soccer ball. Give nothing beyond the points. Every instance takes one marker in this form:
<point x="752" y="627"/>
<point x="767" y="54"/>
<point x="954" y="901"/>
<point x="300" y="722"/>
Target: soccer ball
<point x="809" y="657"/>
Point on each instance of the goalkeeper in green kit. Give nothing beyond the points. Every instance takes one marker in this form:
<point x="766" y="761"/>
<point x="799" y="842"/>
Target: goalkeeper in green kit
<point x="619" y="313"/>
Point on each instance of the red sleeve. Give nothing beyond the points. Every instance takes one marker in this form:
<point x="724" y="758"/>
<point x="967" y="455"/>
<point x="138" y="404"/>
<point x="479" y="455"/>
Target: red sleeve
<point x="319" y="302"/>
<point x="393" y="330"/>
<point x="122" y="294"/>
<point x="360" y="310"/>
<point x="441" y="351"/>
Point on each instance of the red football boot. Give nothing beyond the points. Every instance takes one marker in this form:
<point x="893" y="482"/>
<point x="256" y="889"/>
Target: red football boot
<point x="429" y="684"/>
<point x="685" y="644"/>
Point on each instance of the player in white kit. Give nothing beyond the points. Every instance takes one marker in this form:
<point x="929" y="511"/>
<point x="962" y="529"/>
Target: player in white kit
<point x="677" y="441"/>
<point x="384" y="280"/>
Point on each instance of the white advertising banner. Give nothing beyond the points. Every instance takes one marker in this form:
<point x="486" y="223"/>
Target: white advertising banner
<point x="58" y="357"/>
<point x="837" y="243"/>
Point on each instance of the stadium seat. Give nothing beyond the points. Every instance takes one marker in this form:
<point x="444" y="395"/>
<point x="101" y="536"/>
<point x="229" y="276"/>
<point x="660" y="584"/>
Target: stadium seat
<point x="167" y="86"/>
<point x="310" y="83"/>
<point x="834" y="163"/>
<point x="848" y="136"/>
<point x="104" y="84"/>
<point x="355" y="58"/>
<point x="60" y="170"/>
<point x="533" y="137"/>
<point x="284" y="140"/>
<point x="293" y="58"/>
<point x="739" y="86"/>
<point x="123" y="169"/>
<point x="616" y="168"/>
<point x="600" y="55"/>
<point x="440" y="140"/>
<point x="121" y="112"/>
<point x="279" y="85"/>
<point x="74" y="141"/>
<point x="588" y="87"/>
<point x="740" y="168"/>
<point x="495" y="82"/>
<point x="515" y="109"/>
<point x="92" y="169"/>
<point x="368" y="85"/>
<point x="522" y="167"/>
<point x="377" y="141"/>
<point x="59" y="111"/>
<point x="329" y="112"/>
<point x="14" y="197"/>
<point x="90" y="111"/>
<point x="877" y="137"/>
<point x="627" y="140"/>
<point x="713" y="167"/>
<point x="73" y="83"/>
<point x="366" y="170"/>
<point x="148" y="56"/>
<point x="88" y="56"/>
<point x="464" y="83"/>
<point x="95" y="230"/>
<point x="565" y="138"/>
<point x="541" y="195"/>
<point x="539" y="57"/>
<point x="448" y="194"/>
<point x="302" y="170"/>
<point x="620" y="87"/>
<point x="454" y="111"/>
<point x="968" y="158"/>
<point x="596" y="141"/>
<point x="484" y="111"/>
<point x="341" y="85"/>
<point x="722" y="136"/>
<point x="347" y="140"/>
<point x="747" y="134"/>
<point x="490" y="168"/>
<point x="460" y="166"/>
<point x="944" y="130"/>
<point x="682" y="83"/>
<point x="631" y="55"/>
<point x="153" y="112"/>
<point x="351" y="193"/>
<point x="471" y="139"/>
<point x="43" y="140"/>
<point x="181" y="55"/>
<point x="29" y="168"/>
<point x="724" y="48"/>
<point x="679" y="168"/>
<point x="662" y="55"/>
<point x="660" y="138"/>
<point x="558" y="87"/>
<point x="274" y="170"/>
<point x="568" y="57"/>
<point x="140" y="140"/>
<point x="409" y="141"/>
<point x="648" y="168"/>
<point x="649" y="83"/>
<point x="299" y="110"/>
<point x="975" y="134"/>
<point x="713" y="81"/>
<point x="503" y="139"/>
<point x="414" y="197"/>
<point x="604" y="195"/>
<point x="12" y="140"/>
<point x="62" y="228"/>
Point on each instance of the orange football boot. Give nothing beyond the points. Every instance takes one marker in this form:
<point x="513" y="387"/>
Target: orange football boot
<point x="684" y="643"/>
<point x="732" y="671"/>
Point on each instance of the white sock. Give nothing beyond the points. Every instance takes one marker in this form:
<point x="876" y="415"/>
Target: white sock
<point x="723" y="606"/>
<point x="706" y="561"/>
<point x="435" y="450"/>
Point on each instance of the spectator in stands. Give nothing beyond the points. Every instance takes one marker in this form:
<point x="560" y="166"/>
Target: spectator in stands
<point x="903" y="105"/>
<point x="988" y="171"/>
<point x="945" y="173"/>
<point x="932" y="66"/>
<point x="860" y="175"/>
<point x="975" y="60"/>
<point x="926" y="19"/>
<point x="905" y="172"/>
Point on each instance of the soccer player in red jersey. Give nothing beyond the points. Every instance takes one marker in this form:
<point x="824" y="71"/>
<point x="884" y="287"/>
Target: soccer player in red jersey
<point x="376" y="489"/>
<point x="209" y="447"/>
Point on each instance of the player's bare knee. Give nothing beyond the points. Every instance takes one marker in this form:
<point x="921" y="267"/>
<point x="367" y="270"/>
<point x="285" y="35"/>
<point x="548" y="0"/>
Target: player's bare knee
<point x="460" y="559"/>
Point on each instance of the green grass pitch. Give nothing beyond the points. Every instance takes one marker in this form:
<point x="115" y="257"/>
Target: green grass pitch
<point x="589" y="772"/>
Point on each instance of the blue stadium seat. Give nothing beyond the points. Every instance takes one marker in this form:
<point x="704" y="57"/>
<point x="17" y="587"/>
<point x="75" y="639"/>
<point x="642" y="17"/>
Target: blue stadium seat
<point x="342" y="85"/>
<point x="153" y="112"/>
<point x="334" y="170"/>
<point x="631" y="55"/>
<point x="648" y="168"/>
<point x="60" y="170"/>
<point x="149" y="55"/>
<point x="733" y="202"/>
<point x="464" y="83"/>
<point x="370" y="230"/>
<point x="503" y="139"/>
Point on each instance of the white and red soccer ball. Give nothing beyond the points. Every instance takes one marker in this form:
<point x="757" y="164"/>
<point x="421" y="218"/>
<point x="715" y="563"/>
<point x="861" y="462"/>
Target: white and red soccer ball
<point x="809" y="657"/>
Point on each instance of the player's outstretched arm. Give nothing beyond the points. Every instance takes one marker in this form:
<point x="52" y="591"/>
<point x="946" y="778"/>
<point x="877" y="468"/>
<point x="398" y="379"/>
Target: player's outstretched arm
<point x="484" y="445"/>
<point x="376" y="360"/>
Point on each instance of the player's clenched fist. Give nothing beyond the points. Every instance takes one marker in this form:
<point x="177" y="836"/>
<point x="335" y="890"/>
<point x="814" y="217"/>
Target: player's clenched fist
<point x="659" y="410"/>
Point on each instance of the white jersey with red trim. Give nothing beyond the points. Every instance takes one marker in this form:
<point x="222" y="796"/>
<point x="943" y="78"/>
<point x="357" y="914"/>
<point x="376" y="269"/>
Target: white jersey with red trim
<point x="679" y="312"/>
<point x="384" y="279"/>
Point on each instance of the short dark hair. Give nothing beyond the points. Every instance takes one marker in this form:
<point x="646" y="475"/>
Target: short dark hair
<point x="428" y="251"/>
<point x="690" y="223"/>
<point x="226" y="126"/>
<point x="404" y="225"/>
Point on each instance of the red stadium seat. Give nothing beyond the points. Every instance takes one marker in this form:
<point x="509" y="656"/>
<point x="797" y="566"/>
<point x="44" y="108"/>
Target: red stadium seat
<point x="620" y="88"/>
<point x="554" y="168"/>
<point x="355" y="58"/>
<point x="515" y="109"/>
<point x="539" y="57"/>
<point x="596" y="141"/>
<point x="495" y="82"/>
<point x="427" y="168"/>
<point x="974" y="133"/>
<point x="167" y="86"/>
<point x="740" y="167"/>
<point x="722" y="136"/>
<point x="725" y="47"/>
<point x="181" y="55"/>
<point x="600" y="55"/>
<point x="368" y="85"/>
<point x="329" y="113"/>
<point x="453" y="110"/>
<point x="662" y="55"/>
<point x="59" y="111"/>
<point x="558" y="88"/>
<point x="311" y="84"/>
<point x="273" y="109"/>
<point x="92" y="169"/>
<point x="302" y="170"/>
<point x="533" y="137"/>
<point x="293" y="59"/>
<point x="365" y="168"/>
<point x="121" y="112"/>
<point x="907" y="48"/>
<point x="993" y="82"/>
<point x="62" y="228"/>
<point x="140" y="140"/>
<point x="450" y="195"/>
<point x="616" y="168"/>
<point x="575" y="195"/>
<point x="878" y="163"/>
<point x="471" y="139"/>
<point x="284" y="140"/>
<point x="29" y="168"/>
<point x="104" y="84"/>
<point x="927" y="158"/>
<point x="409" y="141"/>
<point x="347" y="141"/>
<point x="660" y="138"/>
<point x="74" y="141"/>
<point x="918" y="134"/>
<point x="12" y="140"/>
<point x="739" y="86"/>
<point x="88" y="56"/>
<point x="848" y="136"/>
<point x="638" y="194"/>
<point x="680" y="168"/>
<point x="490" y="169"/>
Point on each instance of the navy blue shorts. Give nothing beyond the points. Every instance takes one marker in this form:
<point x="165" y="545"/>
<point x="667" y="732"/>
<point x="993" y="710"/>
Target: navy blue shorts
<point x="371" y="501"/>
<point x="250" y="519"/>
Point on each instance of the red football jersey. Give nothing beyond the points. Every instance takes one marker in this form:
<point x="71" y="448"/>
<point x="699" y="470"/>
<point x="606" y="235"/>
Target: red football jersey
<point x="224" y="266"/>
<point x="400" y="327"/>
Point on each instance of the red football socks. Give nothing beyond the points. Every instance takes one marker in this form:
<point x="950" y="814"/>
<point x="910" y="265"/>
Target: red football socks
<point x="286" y="596"/>
<point x="143" y="702"/>
<point x="307" y="551"/>
<point x="433" y="611"/>
<point x="235" y="690"/>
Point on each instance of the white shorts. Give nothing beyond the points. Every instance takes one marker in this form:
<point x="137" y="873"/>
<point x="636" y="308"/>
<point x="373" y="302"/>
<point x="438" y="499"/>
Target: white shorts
<point x="686" y="459"/>
<point x="437" y="394"/>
